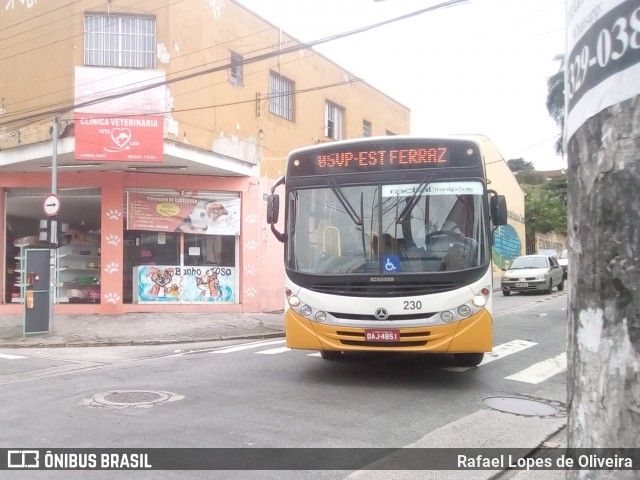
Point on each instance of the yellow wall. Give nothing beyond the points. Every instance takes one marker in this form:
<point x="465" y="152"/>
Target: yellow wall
<point x="206" y="110"/>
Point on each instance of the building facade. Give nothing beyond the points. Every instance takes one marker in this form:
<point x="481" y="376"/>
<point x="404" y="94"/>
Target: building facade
<point x="158" y="127"/>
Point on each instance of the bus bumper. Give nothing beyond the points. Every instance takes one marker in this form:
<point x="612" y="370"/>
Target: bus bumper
<point x="470" y="335"/>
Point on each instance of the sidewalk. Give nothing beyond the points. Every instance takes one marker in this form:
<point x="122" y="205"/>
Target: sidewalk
<point x="141" y="329"/>
<point x="146" y="328"/>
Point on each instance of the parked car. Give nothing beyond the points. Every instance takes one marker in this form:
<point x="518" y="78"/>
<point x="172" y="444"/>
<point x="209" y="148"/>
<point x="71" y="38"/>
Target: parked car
<point x="533" y="273"/>
<point x="563" y="260"/>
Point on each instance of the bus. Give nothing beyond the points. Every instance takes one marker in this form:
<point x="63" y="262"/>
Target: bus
<point x="387" y="246"/>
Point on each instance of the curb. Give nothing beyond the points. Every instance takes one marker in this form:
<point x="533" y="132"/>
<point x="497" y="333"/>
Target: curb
<point x="133" y="343"/>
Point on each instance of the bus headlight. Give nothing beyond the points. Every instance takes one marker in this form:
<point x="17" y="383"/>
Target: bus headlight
<point x="321" y="317"/>
<point x="447" y="316"/>
<point x="479" y="300"/>
<point x="305" y="310"/>
<point x="464" y="310"/>
<point x="293" y="301"/>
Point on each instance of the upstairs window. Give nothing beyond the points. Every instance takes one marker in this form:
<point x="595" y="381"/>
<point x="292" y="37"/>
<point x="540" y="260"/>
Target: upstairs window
<point x="235" y="69"/>
<point x="333" y="121"/>
<point x="124" y="41"/>
<point x="366" y="128"/>
<point x="281" y="96"/>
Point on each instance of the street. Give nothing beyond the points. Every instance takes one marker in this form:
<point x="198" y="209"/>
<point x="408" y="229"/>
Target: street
<point x="258" y="394"/>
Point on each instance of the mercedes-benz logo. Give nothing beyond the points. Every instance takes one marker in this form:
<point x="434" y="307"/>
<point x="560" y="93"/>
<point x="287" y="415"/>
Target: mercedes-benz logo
<point x="381" y="314"/>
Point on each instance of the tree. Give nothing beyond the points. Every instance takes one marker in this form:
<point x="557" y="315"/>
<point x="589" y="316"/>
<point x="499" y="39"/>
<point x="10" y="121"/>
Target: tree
<point x="544" y="212"/>
<point x="555" y="100"/>
<point x="525" y="172"/>
<point x="517" y="165"/>
<point x="557" y="187"/>
<point x="604" y="324"/>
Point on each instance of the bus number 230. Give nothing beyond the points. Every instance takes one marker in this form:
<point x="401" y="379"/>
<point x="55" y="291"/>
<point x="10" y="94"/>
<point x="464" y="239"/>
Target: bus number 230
<point x="412" y="305"/>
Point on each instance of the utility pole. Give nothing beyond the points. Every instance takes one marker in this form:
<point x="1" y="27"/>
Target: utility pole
<point x="53" y="223"/>
<point x="602" y="102"/>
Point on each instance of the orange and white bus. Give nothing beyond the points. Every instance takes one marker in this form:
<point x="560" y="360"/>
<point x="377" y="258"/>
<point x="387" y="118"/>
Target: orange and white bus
<point x="387" y="246"/>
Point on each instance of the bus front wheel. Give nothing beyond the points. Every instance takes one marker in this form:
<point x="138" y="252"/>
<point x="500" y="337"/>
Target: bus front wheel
<point x="330" y="354"/>
<point x="468" y="359"/>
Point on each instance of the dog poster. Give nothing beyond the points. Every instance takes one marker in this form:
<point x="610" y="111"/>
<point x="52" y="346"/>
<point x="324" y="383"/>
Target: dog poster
<point x="175" y="284"/>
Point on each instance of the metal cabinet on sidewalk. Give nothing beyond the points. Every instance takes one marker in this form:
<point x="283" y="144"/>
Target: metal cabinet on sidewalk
<point x="36" y="281"/>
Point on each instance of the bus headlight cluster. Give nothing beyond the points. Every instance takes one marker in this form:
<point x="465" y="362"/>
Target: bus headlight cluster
<point x="467" y="309"/>
<point x="306" y="310"/>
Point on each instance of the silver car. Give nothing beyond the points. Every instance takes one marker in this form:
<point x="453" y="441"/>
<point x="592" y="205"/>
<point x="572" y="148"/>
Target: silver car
<point x="533" y="273"/>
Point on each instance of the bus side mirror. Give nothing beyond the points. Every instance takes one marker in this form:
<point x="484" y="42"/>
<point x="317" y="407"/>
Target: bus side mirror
<point x="273" y="209"/>
<point x="498" y="204"/>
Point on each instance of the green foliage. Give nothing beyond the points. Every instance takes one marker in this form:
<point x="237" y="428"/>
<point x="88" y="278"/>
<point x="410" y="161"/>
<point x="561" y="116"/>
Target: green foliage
<point x="530" y="177"/>
<point x="544" y="212"/>
<point x="557" y="187"/>
<point x="555" y="100"/>
<point x="518" y="165"/>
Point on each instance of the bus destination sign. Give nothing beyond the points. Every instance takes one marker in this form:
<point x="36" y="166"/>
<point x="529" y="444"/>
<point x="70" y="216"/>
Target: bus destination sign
<point x="380" y="158"/>
<point x="374" y="157"/>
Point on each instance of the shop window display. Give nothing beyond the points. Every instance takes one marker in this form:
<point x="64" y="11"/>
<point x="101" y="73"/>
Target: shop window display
<point x="180" y="267"/>
<point x="77" y="261"/>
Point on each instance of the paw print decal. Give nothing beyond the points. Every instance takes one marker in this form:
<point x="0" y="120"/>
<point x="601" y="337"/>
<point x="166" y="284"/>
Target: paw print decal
<point x="113" y="214"/>
<point x="112" y="297"/>
<point x="250" y="292"/>
<point x="251" y="245"/>
<point x="251" y="218"/>
<point x="112" y="267"/>
<point x="112" y="240"/>
<point x="250" y="269"/>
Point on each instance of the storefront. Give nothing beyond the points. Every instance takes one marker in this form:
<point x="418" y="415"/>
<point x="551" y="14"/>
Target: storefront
<point x="129" y="243"/>
<point x="182" y="248"/>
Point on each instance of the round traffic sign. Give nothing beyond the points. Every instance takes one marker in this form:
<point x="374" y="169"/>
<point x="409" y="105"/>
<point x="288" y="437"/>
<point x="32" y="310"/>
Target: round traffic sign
<point x="51" y="205"/>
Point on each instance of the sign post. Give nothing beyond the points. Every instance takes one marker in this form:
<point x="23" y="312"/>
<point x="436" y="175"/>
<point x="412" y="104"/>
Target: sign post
<point x="51" y="205"/>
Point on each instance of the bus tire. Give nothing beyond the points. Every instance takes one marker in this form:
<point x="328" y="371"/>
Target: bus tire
<point x="330" y="354"/>
<point x="468" y="359"/>
<point x="506" y="293"/>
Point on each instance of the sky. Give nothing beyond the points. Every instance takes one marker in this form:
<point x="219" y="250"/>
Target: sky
<point x="480" y="67"/>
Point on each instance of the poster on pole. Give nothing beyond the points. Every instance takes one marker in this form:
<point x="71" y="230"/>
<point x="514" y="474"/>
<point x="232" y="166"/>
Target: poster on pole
<point x="603" y="58"/>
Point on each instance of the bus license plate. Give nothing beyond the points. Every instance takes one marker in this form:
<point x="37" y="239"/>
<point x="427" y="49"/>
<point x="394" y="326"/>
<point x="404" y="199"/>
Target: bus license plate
<point x="522" y="285"/>
<point x="382" y="335"/>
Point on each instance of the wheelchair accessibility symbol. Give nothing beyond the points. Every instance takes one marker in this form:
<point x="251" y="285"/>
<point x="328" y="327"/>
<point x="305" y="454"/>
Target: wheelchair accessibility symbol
<point x="391" y="263"/>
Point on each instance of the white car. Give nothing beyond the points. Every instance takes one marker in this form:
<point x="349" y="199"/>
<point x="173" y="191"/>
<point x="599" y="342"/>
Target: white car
<point x="533" y="273"/>
<point x="563" y="260"/>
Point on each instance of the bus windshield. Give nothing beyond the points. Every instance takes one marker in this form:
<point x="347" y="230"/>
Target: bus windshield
<point x="387" y="228"/>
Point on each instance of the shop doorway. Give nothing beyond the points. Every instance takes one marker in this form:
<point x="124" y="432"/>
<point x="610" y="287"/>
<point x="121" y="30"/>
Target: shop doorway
<point x="77" y="263"/>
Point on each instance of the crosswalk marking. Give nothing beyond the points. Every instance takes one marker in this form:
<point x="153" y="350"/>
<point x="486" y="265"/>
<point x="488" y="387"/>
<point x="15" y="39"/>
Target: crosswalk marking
<point x="499" y="351"/>
<point x="534" y="374"/>
<point x="540" y="371"/>
<point x="247" y="346"/>
<point x="273" y="351"/>
<point x="10" y="357"/>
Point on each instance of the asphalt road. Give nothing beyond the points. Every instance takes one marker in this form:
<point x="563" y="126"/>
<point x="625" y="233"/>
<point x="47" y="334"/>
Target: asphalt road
<point x="259" y="394"/>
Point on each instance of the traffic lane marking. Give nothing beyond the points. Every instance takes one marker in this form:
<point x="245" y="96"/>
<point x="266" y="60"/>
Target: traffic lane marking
<point x="499" y="351"/>
<point x="541" y="371"/>
<point x="247" y="346"/>
<point x="11" y="357"/>
<point x="273" y="351"/>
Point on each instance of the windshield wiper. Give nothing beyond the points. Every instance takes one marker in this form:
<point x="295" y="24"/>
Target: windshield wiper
<point x="414" y="199"/>
<point x="347" y="206"/>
